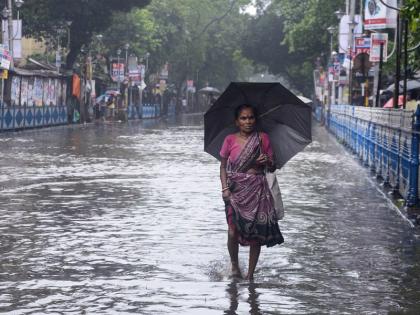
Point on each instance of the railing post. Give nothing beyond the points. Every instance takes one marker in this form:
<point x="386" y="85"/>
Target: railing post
<point x="414" y="161"/>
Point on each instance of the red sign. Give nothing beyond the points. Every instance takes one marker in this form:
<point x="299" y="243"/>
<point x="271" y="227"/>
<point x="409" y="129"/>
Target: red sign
<point x="379" y="39"/>
<point x="117" y="72"/>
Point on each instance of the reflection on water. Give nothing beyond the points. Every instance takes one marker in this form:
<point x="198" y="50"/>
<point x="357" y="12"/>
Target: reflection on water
<point x="234" y="296"/>
<point x="128" y="218"/>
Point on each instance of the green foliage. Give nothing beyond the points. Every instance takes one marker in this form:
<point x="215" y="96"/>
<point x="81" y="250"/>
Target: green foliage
<point x="411" y="11"/>
<point x="289" y="36"/>
<point x="44" y="18"/>
<point x="199" y="40"/>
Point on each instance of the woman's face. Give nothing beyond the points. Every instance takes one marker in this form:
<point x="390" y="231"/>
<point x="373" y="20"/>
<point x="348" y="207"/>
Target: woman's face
<point x="246" y="120"/>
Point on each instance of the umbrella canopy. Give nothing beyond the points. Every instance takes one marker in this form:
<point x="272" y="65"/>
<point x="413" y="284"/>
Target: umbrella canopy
<point x="411" y="85"/>
<point x="281" y="114"/>
<point x="209" y="90"/>
<point x="390" y="102"/>
<point x="106" y="95"/>
<point x="102" y="97"/>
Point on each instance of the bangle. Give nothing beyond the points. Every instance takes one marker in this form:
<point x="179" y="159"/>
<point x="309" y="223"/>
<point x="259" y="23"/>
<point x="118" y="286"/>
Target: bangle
<point x="224" y="189"/>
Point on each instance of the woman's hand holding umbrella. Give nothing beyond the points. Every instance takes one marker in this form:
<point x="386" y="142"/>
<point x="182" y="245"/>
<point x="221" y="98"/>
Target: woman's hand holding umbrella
<point x="263" y="159"/>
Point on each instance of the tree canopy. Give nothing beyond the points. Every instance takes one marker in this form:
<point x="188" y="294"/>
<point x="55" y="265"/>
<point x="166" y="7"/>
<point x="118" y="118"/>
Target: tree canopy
<point x="44" y="18"/>
<point x="200" y="40"/>
<point x="288" y="36"/>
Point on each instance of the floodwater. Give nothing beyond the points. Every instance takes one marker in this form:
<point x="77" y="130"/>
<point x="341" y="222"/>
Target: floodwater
<point x="128" y="219"/>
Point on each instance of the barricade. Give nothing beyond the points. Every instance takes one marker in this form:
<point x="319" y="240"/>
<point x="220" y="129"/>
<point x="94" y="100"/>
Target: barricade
<point x="17" y="117"/>
<point x="385" y="140"/>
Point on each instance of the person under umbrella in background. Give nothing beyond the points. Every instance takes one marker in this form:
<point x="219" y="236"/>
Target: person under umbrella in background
<point x="250" y="211"/>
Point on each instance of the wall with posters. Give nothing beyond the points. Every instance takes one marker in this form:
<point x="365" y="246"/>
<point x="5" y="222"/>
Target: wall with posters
<point x="33" y="99"/>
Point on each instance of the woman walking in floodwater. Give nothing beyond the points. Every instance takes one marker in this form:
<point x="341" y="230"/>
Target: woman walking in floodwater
<point x="249" y="206"/>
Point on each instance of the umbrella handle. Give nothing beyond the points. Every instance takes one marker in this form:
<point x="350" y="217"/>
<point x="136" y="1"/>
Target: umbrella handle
<point x="261" y="151"/>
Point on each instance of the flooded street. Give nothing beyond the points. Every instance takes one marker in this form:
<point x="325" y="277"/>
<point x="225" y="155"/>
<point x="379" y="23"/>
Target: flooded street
<point x="128" y="219"/>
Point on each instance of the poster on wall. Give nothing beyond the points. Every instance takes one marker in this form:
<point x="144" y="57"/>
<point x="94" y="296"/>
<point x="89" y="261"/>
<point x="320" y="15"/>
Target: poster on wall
<point x="58" y="92"/>
<point x="51" y="92"/>
<point x="37" y="92"/>
<point x="380" y="16"/>
<point x="64" y="94"/>
<point x="24" y="92"/>
<point x="45" y="96"/>
<point x="15" y="91"/>
<point x="30" y="92"/>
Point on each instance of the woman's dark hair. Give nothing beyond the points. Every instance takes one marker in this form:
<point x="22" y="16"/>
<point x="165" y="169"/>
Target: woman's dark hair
<point x="242" y="107"/>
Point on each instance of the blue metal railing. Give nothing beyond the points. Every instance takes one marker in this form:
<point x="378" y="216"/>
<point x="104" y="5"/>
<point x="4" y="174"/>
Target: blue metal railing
<point x="385" y="140"/>
<point x="27" y="117"/>
<point x="146" y="110"/>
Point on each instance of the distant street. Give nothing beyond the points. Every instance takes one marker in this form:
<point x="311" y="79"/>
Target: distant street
<point x="128" y="219"/>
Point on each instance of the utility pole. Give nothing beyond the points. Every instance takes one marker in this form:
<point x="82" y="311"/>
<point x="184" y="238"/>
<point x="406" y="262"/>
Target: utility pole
<point x="10" y="30"/>
<point x="398" y="62"/>
<point x="351" y="10"/>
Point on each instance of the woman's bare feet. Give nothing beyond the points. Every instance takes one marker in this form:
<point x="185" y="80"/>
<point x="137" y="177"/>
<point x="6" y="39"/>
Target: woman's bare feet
<point x="236" y="272"/>
<point x="249" y="277"/>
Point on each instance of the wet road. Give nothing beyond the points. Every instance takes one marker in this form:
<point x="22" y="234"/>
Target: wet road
<point x="128" y="219"/>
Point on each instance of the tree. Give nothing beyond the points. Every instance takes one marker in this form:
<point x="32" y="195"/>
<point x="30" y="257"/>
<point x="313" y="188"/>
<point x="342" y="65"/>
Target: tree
<point x="288" y="36"/>
<point x="200" y="39"/>
<point x="43" y="18"/>
<point x="411" y="12"/>
<point x="139" y="30"/>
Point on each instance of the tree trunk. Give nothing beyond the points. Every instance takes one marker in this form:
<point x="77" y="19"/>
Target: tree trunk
<point x="72" y="55"/>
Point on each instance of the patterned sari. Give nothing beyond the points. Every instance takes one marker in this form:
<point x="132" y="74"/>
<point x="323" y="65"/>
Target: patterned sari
<point x="251" y="209"/>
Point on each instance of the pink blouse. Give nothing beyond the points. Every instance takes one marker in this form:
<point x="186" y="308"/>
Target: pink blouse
<point x="232" y="148"/>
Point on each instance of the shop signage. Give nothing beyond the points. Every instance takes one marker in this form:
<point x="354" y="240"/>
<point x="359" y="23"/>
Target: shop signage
<point x="380" y="16"/>
<point x="377" y="39"/>
<point x="117" y="72"/>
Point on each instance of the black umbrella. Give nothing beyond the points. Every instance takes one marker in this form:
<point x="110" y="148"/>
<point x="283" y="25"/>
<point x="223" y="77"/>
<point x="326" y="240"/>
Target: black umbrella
<point x="281" y="114"/>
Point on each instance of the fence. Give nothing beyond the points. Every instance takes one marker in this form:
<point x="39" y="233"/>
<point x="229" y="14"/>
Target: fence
<point x="146" y="110"/>
<point x="33" y="99"/>
<point x="26" y="117"/>
<point x="385" y="140"/>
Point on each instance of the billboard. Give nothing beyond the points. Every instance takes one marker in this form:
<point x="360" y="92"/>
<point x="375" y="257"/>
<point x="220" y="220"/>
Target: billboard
<point x="379" y="16"/>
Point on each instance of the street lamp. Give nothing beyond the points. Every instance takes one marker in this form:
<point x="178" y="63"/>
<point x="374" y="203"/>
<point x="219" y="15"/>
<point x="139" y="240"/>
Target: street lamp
<point x="118" y="67"/>
<point x="68" y="23"/>
<point x="333" y="54"/>
<point x="147" y="61"/>
<point x="339" y="14"/>
<point x="331" y="30"/>
<point x="126" y="46"/>
<point x="18" y="4"/>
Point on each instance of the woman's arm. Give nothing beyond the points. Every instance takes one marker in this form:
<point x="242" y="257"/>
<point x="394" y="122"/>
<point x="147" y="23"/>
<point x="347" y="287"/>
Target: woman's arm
<point x="223" y="179"/>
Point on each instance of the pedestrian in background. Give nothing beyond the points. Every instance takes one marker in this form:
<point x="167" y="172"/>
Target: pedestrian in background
<point x="111" y="107"/>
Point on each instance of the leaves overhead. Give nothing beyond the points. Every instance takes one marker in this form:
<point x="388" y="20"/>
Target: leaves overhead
<point x="199" y="39"/>
<point x="44" y="18"/>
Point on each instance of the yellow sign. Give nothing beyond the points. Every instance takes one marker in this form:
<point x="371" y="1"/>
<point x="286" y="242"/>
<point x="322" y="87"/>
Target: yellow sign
<point x="4" y="74"/>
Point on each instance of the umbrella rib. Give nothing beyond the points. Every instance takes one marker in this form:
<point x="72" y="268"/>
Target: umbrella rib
<point x="269" y="111"/>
